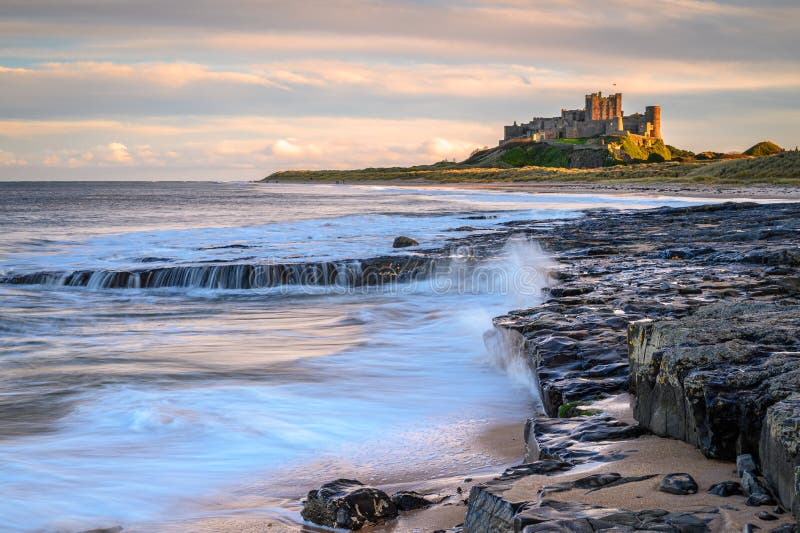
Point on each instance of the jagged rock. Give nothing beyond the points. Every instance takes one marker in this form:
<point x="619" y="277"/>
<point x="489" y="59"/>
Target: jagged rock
<point x="404" y="242"/>
<point x="408" y="500"/>
<point x="720" y="378"/>
<point x="709" y="377"/>
<point x="573" y="439"/>
<point x="680" y="484"/>
<point x="725" y="488"/>
<point x="348" y="504"/>
<point x="490" y="509"/>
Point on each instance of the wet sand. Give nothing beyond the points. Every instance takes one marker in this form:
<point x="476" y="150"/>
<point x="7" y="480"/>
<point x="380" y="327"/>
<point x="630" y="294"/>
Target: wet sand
<point x="249" y="511"/>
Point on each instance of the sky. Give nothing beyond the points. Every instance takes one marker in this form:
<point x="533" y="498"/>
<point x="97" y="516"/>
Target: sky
<point x="234" y="90"/>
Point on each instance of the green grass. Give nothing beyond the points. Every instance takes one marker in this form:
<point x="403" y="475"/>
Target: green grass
<point x="536" y="154"/>
<point x="571" y="409"/>
<point x="782" y="169"/>
<point x="677" y="152"/>
<point x="763" y="148"/>
<point x="578" y="140"/>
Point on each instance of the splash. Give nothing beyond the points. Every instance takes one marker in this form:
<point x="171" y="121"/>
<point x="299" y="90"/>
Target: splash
<point x="523" y="272"/>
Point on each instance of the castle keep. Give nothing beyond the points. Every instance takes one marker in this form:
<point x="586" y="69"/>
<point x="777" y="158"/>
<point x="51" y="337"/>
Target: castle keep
<point x="602" y="116"/>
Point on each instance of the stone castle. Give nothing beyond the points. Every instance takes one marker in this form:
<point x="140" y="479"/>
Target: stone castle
<point x="602" y="116"/>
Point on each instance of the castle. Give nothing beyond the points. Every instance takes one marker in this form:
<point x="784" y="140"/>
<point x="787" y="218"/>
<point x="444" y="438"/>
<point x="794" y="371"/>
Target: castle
<point x="601" y="116"/>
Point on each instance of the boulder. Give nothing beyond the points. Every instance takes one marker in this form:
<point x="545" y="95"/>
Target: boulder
<point x="725" y="489"/>
<point x="348" y="504"/>
<point x="745" y="463"/>
<point x="404" y="242"/>
<point x="408" y="500"/>
<point x="680" y="484"/>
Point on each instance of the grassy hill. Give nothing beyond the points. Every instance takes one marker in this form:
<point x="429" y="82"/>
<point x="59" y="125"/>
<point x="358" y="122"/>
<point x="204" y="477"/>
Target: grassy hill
<point x="570" y="153"/>
<point x="780" y="169"/>
<point x="763" y="148"/>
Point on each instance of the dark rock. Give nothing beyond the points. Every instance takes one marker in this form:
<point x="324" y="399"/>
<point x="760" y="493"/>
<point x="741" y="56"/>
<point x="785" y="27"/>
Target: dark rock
<point x="490" y="508"/>
<point x="681" y="484"/>
<point x="539" y="468"/>
<point x="574" y="439"/>
<point x="348" y="504"/>
<point x="780" y="450"/>
<point x="408" y="500"/>
<point x="115" y="529"/>
<point x="751" y="484"/>
<point x="764" y="515"/>
<point x="745" y="463"/>
<point x="725" y="488"/>
<point x="708" y="378"/>
<point x="596" y="480"/>
<point x="750" y="528"/>
<point x="759" y="499"/>
<point x="786" y="528"/>
<point x="403" y="242"/>
<point x="569" y="517"/>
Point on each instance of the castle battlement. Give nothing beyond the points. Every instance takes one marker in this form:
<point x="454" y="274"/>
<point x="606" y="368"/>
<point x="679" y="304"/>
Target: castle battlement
<point x="602" y="115"/>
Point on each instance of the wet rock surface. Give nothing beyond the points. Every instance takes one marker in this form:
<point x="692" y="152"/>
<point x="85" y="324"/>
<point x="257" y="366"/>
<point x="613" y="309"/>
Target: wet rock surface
<point x="348" y="504"/>
<point x="574" y="439"/>
<point x="404" y="242"/>
<point x="555" y="516"/>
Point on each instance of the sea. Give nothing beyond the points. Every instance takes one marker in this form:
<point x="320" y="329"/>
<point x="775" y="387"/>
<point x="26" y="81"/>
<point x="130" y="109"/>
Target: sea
<point x="133" y="404"/>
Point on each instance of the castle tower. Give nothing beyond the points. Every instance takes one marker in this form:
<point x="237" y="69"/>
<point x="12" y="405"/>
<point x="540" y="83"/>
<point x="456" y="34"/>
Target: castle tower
<point x="653" y="115"/>
<point x="599" y="107"/>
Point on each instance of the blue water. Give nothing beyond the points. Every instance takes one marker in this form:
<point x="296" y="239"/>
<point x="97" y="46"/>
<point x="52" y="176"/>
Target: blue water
<point x="136" y="406"/>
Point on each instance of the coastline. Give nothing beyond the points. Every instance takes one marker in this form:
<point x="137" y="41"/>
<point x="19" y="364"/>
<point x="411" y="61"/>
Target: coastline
<point x="667" y="189"/>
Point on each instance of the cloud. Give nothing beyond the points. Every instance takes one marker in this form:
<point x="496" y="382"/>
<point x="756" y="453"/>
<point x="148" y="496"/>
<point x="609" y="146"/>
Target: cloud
<point x="118" y="153"/>
<point x="291" y="148"/>
<point x="447" y="149"/>
<point x="7" y="159"/>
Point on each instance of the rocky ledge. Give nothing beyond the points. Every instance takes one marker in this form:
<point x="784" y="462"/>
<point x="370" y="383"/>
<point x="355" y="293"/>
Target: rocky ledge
<point x="726" y="379"/>
<point x="712" y="292"/>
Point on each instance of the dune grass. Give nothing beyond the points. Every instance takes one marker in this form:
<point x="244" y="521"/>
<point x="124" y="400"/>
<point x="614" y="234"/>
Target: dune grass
<point x="782" y="169"/>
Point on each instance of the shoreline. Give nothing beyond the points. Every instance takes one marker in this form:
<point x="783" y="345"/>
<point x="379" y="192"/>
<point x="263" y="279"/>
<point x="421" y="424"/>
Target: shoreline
<point x="658" y="189"/>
